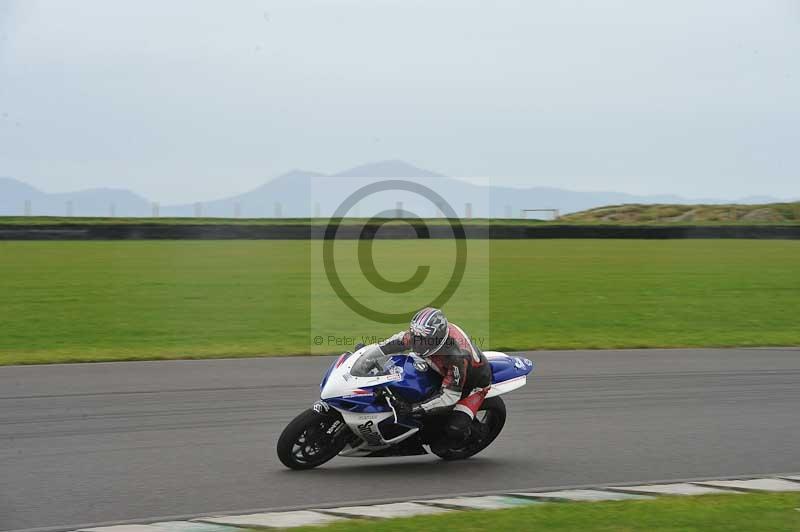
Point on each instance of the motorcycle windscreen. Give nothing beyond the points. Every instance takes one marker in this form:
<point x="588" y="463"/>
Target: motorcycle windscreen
<point x="374" y="363"/>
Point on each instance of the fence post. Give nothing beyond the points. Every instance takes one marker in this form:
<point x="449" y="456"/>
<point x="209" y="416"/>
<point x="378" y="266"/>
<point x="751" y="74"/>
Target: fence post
<point x="28" y="207"/>
<point x="398" y="213"/>
<point x="468" y="210"/>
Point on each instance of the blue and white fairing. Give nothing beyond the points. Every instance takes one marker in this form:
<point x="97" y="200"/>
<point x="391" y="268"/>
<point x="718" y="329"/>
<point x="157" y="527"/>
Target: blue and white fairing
<point x="350" y="383"/>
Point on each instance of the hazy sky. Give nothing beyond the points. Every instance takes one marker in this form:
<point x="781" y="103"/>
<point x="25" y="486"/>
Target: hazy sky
<point x="194" y="100"/>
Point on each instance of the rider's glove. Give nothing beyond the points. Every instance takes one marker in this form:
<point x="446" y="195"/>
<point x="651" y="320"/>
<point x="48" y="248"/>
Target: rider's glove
<point x="401" y="407"/>
<point x="406" y="409"/>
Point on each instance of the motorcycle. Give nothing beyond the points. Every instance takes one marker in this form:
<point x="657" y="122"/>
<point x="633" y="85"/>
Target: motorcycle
<point x="357" y="411"/>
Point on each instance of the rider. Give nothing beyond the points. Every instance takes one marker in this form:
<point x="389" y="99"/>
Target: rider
<point x="466" y="374"/>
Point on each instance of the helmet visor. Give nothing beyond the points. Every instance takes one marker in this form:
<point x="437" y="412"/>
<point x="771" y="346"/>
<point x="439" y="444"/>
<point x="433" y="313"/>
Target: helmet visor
<point x="425" y="345"/>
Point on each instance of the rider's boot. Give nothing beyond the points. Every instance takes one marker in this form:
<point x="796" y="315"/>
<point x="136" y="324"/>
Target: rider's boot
<point x="456" y="432"/>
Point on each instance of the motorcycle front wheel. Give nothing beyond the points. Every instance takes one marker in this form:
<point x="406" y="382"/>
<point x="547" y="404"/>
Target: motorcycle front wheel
<point x="311" y="439"/>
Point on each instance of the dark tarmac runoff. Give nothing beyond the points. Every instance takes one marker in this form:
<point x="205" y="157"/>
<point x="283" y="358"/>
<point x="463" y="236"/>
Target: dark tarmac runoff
<point x="93" y="443"/>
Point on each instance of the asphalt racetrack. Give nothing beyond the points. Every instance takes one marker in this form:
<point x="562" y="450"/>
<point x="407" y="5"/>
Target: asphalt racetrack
<point x="93" y="443"/>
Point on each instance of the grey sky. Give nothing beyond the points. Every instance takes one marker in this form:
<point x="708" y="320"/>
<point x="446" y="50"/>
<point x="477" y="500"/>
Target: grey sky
<point x="194" y="100"/>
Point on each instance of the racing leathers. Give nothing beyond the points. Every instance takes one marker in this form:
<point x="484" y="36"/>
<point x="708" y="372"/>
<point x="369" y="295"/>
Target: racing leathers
<point x="466" y="378"/>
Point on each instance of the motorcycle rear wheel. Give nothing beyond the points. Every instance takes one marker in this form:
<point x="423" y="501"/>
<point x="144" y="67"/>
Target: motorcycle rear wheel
<point x="311" y="439"/>
<point x="488" y="423"/>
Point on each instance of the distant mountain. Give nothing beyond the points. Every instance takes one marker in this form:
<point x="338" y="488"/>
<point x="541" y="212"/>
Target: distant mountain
<point x="303" y="193"/>
<point x="89" y="202"/>
<point x="14" y="193"/>
<point x="387" y="170"/>
<point x="298" y="192"/>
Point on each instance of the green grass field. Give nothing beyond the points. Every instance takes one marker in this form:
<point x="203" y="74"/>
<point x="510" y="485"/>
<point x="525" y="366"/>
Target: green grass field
<point x="704" y="513"/>
<point x="80" y="301"/>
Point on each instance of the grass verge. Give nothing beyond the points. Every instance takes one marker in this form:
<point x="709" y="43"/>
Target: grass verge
<point x="704" y="513"/>
<point x="130" y="300"/>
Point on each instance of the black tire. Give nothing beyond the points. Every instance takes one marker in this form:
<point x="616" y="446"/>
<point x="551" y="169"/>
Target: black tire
<point x="481" y="436"/>
<point x="306" y="442"/>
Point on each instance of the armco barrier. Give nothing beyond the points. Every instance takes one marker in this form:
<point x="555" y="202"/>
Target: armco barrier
<point x="399" y="231"/>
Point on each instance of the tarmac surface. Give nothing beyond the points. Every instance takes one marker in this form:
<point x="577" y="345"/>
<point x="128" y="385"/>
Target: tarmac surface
<point x="94" y="443"/>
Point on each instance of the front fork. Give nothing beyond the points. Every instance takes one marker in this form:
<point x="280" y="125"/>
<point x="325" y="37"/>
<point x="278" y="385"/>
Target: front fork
<point x="337" y="429"/>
